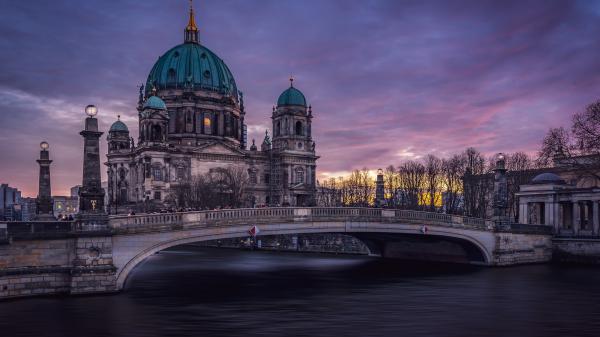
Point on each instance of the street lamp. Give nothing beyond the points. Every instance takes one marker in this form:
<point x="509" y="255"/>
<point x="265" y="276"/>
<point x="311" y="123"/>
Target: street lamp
<point x="91" y="110"/>
<point x="44" y="145"/>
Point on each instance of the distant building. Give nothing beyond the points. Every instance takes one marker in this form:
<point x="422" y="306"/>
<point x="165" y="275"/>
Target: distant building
<point x="75" y="191"/>
<point x="65" y="206"/>
<point x="28" y="209"/>
<point x="9" y="197"/>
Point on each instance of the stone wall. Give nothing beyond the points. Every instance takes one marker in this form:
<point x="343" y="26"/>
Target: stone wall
<point x="514" y="248"/>
<point x="55" y="266"/>
<point x="576" y="250"/>
<point x="34" y="281"/>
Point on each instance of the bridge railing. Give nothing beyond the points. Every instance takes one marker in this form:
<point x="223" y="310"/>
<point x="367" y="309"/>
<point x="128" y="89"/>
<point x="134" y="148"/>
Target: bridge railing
<point x="266" y="215"/>
<point x="28" y="229"/>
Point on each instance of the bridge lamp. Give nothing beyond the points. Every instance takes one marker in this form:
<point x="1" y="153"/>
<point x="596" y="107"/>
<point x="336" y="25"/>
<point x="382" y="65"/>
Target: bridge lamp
<point x="91" y="110"/>
<point x="44" y="145"/>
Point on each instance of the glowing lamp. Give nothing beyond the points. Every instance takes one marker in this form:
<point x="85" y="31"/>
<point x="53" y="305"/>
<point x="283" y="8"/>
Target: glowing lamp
<point x="91" y="110"/>
<point x="44" y="145"/>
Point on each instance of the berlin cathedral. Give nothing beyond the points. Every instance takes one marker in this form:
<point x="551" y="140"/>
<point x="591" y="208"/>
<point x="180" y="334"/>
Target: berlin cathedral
<point x="191" y="121"/>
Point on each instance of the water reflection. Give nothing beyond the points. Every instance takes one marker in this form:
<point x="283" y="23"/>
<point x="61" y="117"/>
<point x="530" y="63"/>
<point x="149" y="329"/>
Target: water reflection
<point x="210" y="292"/>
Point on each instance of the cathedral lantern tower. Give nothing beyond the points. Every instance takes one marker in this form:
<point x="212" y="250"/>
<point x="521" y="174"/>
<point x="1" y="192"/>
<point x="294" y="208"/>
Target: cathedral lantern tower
<point x="154" y="120"/>
<point x="293" y="148"/>
<point x="118" y="137"/>
<point x="292" y="121"/>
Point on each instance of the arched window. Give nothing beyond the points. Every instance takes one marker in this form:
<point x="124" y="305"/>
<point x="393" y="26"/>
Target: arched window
<point x="156" y="133"/>
<point x="252" y="176"/>
<point x="157" y="173"/>
<point x="299" y="175"/>
<point x="299" y="130"/>
<point x="180" y="172"/>
<point x="277" y="128"/>
<point x="207" y="124"/>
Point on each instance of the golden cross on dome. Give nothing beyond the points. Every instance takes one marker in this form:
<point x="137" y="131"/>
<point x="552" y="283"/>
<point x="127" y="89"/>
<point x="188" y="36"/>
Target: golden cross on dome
<point x="291" y="80"/>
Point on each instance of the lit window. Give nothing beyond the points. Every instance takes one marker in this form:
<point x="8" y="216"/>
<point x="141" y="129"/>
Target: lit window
<point x="207" y="125"/>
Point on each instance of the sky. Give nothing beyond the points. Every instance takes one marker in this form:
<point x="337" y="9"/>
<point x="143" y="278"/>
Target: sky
<point x="388" y="81"/>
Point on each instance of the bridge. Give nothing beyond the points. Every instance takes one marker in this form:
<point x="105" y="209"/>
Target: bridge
<point x="70" y="257"/>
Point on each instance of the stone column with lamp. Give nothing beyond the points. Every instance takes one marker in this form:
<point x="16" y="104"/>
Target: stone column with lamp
<point x="93" y="269"/>
<point x="45" y="207"/>
<point x="379" y="190"/>
<point x="500" y="204"/>
<point x="91" y="194"/>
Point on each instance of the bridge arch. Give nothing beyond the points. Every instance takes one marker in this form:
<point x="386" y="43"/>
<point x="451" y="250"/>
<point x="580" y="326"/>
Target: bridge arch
<point x="131" y="250"/>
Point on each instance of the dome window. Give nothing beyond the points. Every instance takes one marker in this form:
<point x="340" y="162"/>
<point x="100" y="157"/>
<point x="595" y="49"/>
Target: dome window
<point x="176" y="54"/>
<point x="203" y="55"/>
<point x="207" y="74"/>
<point x="171" y="76"/>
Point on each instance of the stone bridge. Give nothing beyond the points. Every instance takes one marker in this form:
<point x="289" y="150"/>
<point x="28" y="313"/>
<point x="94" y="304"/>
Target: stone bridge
<point x="64" y="257"/>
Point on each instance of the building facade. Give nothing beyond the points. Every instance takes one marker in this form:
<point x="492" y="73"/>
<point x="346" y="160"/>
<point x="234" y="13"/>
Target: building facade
<point x="192" y="121"/>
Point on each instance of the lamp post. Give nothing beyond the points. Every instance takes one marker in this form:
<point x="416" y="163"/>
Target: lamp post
<point x="45" y="207"/>
<point x="91" y="194"/>
<point x="500" y="204"/>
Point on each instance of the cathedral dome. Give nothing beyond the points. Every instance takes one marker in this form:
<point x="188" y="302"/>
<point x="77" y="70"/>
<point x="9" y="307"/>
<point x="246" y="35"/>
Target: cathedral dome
<point x="191" y="65"/>
<point x="154" y="102"/>
<point x="118" y="126"/>
<point x="291" y="96"/>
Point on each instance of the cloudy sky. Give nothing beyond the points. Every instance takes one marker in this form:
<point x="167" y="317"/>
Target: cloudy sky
<point x="388" y="80"/>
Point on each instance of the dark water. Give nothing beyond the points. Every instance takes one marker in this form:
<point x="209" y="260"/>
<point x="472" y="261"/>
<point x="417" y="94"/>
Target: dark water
<point x="210" y="292"/>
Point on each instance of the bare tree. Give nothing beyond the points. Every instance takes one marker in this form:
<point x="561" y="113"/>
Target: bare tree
<point x="476" y="184"/>
<point x="453" y="170"/>
<point x="433" y="180"/>
<point x="578" y="147"/>
<point x="412" y="178"/>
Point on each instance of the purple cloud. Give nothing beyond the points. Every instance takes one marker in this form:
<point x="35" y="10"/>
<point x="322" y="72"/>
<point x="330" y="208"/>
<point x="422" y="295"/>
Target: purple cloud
<point x="388" y="80"/>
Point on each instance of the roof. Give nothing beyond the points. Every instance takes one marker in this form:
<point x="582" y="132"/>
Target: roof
<point x="154" y="102"/>
<point x="118" y="126"/>
<point x="547" y="178"/>
<point x="291" y="96"/>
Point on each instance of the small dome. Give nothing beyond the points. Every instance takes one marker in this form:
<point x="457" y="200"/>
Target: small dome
<point x="547" y="178"/>
<point x="154" y="102"/>
<point x="291" y="96"/>
<point x="118" y="126"/>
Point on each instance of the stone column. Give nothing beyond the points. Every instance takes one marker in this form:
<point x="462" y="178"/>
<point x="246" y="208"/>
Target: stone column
<point x="595" y="217"/>
<point x="557" y="216"/>
<point x="500" y="204"/>
<point x="523" y="213"/>
<point x="576" y="211"/>
<point x="549" y="214"/>
<point x="91" y="194"/>
<point x="45" y="206"/>
<point x="379" y="190"/>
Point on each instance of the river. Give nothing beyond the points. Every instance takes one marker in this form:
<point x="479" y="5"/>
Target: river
<point x="189" y="291"/>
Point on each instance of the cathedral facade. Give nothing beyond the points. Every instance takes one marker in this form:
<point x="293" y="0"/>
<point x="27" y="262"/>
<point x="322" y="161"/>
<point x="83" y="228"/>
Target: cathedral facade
<point x="192" y="121"/>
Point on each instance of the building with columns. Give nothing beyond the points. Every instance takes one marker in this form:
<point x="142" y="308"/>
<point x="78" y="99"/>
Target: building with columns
<point x="192" y="120"/>
<point x="571" y="208"/>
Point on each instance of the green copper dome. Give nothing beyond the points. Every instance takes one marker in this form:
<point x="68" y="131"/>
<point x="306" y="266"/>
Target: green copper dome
<point x="154" y="102"/>
<point x="118" y="126"/>
<point x="191" y="65"/>
<point x="291" y="96"/>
